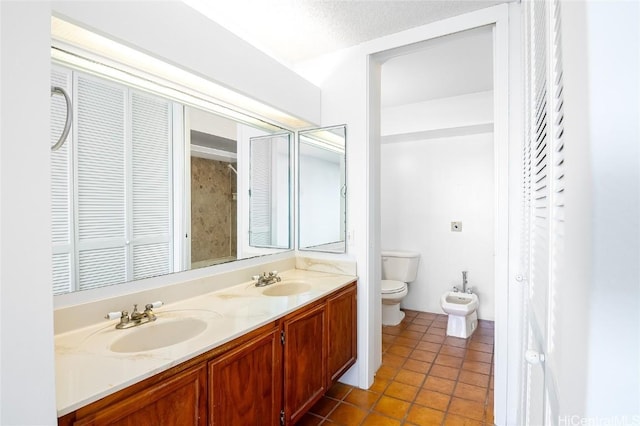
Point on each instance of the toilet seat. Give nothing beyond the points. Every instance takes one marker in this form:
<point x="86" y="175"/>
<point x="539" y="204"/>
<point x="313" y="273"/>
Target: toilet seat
<point x="393" y="286"/>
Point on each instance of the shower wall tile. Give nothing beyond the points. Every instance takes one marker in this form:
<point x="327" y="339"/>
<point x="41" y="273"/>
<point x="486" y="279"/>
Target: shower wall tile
<point x="213" y="210"/>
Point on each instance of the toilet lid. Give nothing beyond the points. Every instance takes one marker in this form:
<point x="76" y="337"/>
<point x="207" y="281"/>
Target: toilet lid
<point x="393" y="286"/>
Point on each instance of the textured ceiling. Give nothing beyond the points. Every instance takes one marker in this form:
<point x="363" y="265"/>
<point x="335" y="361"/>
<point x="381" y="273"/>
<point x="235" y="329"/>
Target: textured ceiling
<point x="297" y="30"/>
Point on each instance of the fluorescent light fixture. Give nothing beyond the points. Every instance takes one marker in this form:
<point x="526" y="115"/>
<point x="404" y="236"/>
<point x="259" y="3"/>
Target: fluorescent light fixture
<point x="89" y="51"/>
<point x="323" y="138"/>
<point x="213" y="154"/>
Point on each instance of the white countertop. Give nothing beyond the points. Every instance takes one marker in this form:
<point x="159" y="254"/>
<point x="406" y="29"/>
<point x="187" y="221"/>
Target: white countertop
<point x="87" y="370"/>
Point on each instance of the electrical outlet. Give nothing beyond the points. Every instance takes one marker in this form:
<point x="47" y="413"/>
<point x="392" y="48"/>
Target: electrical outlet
<point x="456" y="226"/>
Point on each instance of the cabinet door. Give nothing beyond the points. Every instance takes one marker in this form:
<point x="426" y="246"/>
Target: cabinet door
<point x="245" y="385"/>
<point x="177" y="401"/>
<point x="342" y="332"/>
<point x="305" y="371"/>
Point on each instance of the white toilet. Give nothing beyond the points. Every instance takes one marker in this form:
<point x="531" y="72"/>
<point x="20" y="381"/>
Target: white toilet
<point x="398" y="269"/>
<point x="461" y="308"/>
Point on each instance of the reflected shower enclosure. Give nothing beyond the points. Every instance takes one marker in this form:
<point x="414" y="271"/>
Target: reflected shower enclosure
<point x="213" y="211"/>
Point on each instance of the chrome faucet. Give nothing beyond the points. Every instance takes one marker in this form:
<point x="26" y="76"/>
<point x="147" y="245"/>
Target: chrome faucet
<point x="264" y="279"/>
<point x="464" y="282"/>
<point x="136" y="318"/>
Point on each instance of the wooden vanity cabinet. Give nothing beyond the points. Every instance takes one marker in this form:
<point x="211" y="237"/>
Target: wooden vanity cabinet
<point x="305" y="361"/>
<point x="177" y="401"/>
<point x="245" y="383"/>
<point x="319" y="346"/>
<point x="341" y="333"/>
<point x="269" y="376"/>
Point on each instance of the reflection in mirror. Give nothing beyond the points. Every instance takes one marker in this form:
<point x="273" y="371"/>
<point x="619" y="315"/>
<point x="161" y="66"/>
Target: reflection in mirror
<point x="121" y="205"/>
<point x="322" y="189"/>
<point x="269" y="191"/>
<point x="214" y="195"/>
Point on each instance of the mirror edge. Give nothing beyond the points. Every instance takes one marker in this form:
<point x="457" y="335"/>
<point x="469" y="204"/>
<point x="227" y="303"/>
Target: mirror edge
<point x="297" y="191"/>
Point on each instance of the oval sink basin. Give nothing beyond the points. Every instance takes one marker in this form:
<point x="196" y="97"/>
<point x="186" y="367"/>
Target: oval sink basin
<point x="288" y="288"/>
<point x="159" y="334"/>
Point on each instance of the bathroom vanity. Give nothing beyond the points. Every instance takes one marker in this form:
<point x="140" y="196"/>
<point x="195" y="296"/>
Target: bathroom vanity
<point x="261" y="359"/>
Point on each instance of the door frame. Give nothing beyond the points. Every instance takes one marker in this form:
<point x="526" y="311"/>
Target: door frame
<point x="508" y="137"/>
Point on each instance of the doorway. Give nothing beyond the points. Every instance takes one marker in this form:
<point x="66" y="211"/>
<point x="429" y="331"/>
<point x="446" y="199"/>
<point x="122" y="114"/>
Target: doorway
<point x="437" y="189"/>
<point x="505" y="203"/>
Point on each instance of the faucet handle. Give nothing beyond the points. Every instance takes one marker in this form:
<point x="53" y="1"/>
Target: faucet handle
<point x="455" y="289"/>
<point x="273" y="273"/>
<point x="255" y="277"/>
<point x="469" y="290"/>
<point x="115" y="315"/>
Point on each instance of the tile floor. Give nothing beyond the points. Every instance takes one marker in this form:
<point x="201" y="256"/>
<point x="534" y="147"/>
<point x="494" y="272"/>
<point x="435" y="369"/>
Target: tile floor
<point x="426" y="378"/>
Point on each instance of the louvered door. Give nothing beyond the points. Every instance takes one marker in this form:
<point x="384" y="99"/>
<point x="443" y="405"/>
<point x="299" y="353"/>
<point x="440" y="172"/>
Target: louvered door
<point x="269" y="186"/>
<point x="261" y="183"/>
<point x="151" y="195"/>
<point x="100" y="182"/>
<point x="111" y="185"/>
<point x="544" y="204"/>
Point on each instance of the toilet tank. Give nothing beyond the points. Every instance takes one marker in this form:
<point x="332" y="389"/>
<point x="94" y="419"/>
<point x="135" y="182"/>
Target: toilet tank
<point x="400" y="265"/>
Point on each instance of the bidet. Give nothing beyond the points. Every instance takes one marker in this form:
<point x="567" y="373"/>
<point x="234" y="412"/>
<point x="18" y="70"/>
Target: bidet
<point x="461" y="309"/>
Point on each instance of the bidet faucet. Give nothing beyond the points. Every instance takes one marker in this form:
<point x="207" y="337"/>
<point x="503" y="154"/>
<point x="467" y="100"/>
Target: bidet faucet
<point x="464" y="281"/>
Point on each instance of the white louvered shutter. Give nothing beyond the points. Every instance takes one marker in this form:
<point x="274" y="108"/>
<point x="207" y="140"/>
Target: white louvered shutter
<point x="100" y="182"/>
<point x="540" y="170"/>
<point x="151" y="186"/>
<point x="112" y="199"/>
<point x="544" y="186"/>
<point x="260" y="200"/>
<point x="61" y="188"/>
<point x="557" y="167"/>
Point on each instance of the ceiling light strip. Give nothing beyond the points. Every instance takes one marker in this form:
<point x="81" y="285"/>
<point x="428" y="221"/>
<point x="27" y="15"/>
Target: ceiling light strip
<point x="74" y="40"/>
<point x="105" y="71"/>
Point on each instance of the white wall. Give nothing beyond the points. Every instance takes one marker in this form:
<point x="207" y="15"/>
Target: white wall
<point x="343" y="100"/>
<point x="212" y="124"/>
<point x="427" y="184"/>
<point x="613" y="38"/>
<point x="319" y="198"/>
<point x="26" y="313"/>
<point x="474" y="109"/>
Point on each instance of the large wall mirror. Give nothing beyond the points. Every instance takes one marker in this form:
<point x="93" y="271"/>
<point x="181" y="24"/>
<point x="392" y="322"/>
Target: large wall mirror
<point x="322" y="189"/>
<point x="147" y="185"/>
